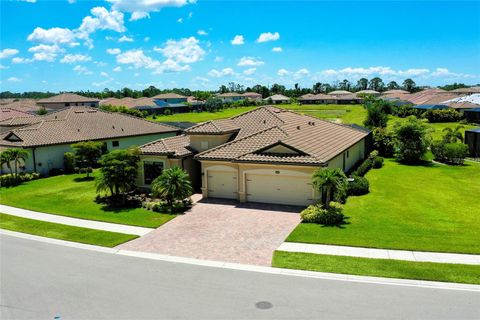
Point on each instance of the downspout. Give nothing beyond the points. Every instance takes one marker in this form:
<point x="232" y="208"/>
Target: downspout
<point x="34" y="160"/>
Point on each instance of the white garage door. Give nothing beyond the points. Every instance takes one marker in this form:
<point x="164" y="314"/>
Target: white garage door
<point x="279" y="189"/>
<point x="222" y="184"/>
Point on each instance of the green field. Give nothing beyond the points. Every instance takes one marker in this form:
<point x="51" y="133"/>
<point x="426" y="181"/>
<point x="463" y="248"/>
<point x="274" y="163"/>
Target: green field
<point x="445" y="272"/>
<point x="424" y="208"/>
<point x="63" y="232"/>
<point x="73" y="196"/>
<point x="201" y="116"/>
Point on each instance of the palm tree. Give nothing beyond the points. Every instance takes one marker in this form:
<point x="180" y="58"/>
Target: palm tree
<point x="173" y="184"/>
<point x="331" y="181"/>
<point x="6" y="159"/>
<point x="451" y="136"/>
<point x="17" y="156"/>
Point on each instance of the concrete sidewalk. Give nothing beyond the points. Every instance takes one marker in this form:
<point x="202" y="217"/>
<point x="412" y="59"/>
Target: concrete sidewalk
<point x="418" y="256"/>
<point x="105" y="226"/>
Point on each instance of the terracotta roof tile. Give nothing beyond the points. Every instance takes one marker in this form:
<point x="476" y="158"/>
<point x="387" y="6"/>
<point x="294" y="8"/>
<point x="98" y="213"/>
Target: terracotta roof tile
<point x="175" y="146"/>
<point x="67" y="97"/>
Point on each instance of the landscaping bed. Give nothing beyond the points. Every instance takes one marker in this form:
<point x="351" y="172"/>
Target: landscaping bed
<point x="446" y="272"/>
<point x="424" y="208"/>
<point x="73" y="196"/>
<point x="63" y="232"/>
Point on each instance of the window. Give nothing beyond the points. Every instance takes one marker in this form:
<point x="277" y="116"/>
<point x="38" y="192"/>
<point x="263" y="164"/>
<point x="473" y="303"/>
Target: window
<point x="67" y="104"/>
<point x="151" y="170"/>
<point x="115" y="143"/>
<point x="348" y="153"/>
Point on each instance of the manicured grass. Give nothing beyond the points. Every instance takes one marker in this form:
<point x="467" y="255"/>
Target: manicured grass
<point x="425" y="208"/>
<point x="347" y="113"/>
<point x="63" y="232"/>
<point x="73" y="196"/>
<point x="445" y="272"/>
<point x="201" y="116"/>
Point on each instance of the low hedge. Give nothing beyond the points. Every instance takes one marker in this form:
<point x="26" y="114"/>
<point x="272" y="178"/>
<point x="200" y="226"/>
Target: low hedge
<point x="358" y="186"/>
<point x="8" y="180"/>
<point x="452" y="153"/>
<point x="447" y="115"/>
<point x="328" y="217"/>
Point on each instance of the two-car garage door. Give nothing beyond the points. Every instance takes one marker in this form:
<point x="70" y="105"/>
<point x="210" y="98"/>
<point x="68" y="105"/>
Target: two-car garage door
<point x="279" y="189"/>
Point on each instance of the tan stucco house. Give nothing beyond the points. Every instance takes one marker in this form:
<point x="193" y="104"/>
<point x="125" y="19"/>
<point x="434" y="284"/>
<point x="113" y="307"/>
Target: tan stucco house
<point x="64" y="100"/>
<point x="48" y="137"/>
<point x="264" y="155"/>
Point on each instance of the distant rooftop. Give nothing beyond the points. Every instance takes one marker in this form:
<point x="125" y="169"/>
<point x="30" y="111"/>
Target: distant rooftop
<point x="66" y="98"/>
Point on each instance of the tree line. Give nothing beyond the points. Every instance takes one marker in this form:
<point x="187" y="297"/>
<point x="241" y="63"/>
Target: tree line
<point x="375" y="83"/>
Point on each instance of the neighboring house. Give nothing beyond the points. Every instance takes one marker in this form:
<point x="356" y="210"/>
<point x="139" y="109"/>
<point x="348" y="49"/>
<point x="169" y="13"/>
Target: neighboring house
<point x="169" y="98"/>
<point x="426" y="107"/>
<point x="367" y="92"/>
<point x="252" y="96"/>
<point x="472" y="115"/>
<point x="339" y="93"/>
<point x="230" y="96"/>
<point x="8" y="113"/>
<point x="316" y="99"/>
<point x="472" y="139"/>
<point x="470" y="90"/>
<point x="264" y="155"/>
<point x="64" y="100"/>
<point x="24" y="105"/>
<point x="277" y="99"/>
<point x="48" y="137"/>
<point x="156" y="105"/>
<point x="464" y="103"/>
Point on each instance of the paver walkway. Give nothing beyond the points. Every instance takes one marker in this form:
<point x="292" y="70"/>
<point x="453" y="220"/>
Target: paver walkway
<point x="113" y="227"/>
<point x="418" y="256"/>
<point x="222" y="231"/>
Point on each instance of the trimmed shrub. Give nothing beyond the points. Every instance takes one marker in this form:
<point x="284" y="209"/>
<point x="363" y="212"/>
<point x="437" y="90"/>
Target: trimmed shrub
<point x="455" y="153"/>
<point x="447" y="115"/>
<point x="8" y="180"/>
<point x="328" y="217"/>
<point x="69" y="162"/>
<point x="378" y="162"/>
<point x="359" y="186"/>
<point x="363" y="168"/>
<point x="438" y="149"/>
<point x="403" y="111"/>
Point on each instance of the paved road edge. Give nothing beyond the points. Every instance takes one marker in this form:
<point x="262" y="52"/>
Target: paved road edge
<point x="252" y="268"/>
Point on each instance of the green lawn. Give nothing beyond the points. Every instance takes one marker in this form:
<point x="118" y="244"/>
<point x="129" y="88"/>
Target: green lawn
<point x="378" y="267"/>
<point x="63" y="232"/>
<point x="70" y="195"/>
<point x="201" y="116"/>
<point x="347" y="113"/>
<point x="425" y="208"/>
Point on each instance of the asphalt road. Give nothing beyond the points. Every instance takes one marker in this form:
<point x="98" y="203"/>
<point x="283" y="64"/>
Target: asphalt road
<point x="44" y="281"/>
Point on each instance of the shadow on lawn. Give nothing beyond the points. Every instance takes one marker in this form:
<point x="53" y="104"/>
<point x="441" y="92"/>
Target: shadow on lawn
<point x="83" y="179"/>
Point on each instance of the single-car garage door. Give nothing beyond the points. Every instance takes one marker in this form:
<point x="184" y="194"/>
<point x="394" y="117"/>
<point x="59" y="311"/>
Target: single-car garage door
<point x="279" y="189"/>
<point x="222" y="184"/>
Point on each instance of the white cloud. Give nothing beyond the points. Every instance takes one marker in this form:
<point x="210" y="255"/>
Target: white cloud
<point x="103" y="74"/>
<point x="277" y="49"/>
<point x="141" y="8"/>
<point x="218" y="59"/>
<point x="221" y="73"/>
<point x="44" y="52"/>
<point x="71" y="1"/>
<point x="146" y="39"/>
<point x="202" y="33"/>
<point x="75" y="58"/>
<point x="5" y="53"/>
<point x="117" y="69"/>
<point x="2" y="67"/>
<point x="18" y="60"/>
<point x="268" y="36"/>
<point x="82" y="70"/>
<point x="250" y="62"/>
<point x="29" y="1"/>
<point x="125" y="39"/>
<point x="180" y="20"/>
<point x="137" y="59"/>
<point x="250" y="71"/>
<point x="114" y="51"/>
<point x="101" y="19"/>
<point x="185" y="50"/>
<point x="102" y="83"/>
<point x="237" y="40"/>
<point x="283" y="72"/>
<point x="14" y="79"/>
<point x="301" y="73"/>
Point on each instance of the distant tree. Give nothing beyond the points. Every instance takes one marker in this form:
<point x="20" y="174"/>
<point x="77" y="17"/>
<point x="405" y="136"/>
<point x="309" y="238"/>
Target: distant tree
<point x="376" y="117"/>
<point x="411" y="140"/>
<point x="376" y="84"/>
<point x="213" y="104"/>
<point x="277" y="89"/>
<point x="223" y="89"/>
<point x="42" y="111"/>
<point x="454" y="86"/>
<point x="345" y="85"/>
<point x="392" y="85"/>
<point x="362" y="84"/>
<point x="409" y="85"/>
<point x="317" y="88"/>
<point x="173" y="184"/>
<point x="297" y="87"/>
<point x="127" y="92"/>
<point x="87" y="152"/>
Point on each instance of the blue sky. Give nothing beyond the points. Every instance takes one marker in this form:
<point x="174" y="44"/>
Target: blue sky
<point x="78" y="45"/>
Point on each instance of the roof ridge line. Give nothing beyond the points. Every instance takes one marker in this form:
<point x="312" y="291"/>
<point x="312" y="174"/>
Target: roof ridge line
<point x="234" y="141"/>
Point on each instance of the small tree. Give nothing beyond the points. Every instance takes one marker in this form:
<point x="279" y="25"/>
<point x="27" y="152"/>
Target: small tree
<point x="6" y="159"/>
<point x="452" y="135"/>
<point x="15" y="155"/>
<point x="411" y="140"/>
<point x="42" y="111"/>
<point x="332" y="182"/>
<point x="118" y="172"/>
<point x="213" y="104"/>
<point x="87" y="153"/>
<point x="173" y="184"/>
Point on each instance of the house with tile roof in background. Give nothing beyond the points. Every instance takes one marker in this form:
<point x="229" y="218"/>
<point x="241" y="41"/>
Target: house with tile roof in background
<point x="64" y="100"/>
<point x="48" y="137"/>
<point x="263" y="155"/>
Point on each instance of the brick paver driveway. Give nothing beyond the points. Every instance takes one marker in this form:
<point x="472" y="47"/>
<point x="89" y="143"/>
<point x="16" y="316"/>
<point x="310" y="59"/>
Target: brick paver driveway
<point x="222" y="231"/>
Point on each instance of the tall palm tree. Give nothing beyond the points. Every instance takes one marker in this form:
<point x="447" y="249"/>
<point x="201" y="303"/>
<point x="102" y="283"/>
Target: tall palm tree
<point x="6" y="159"/>
<point x="331" y="181"/>
<point x="18" y="155"/>
<point x="451" y="136"/>
<point x="173" y="184"/>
